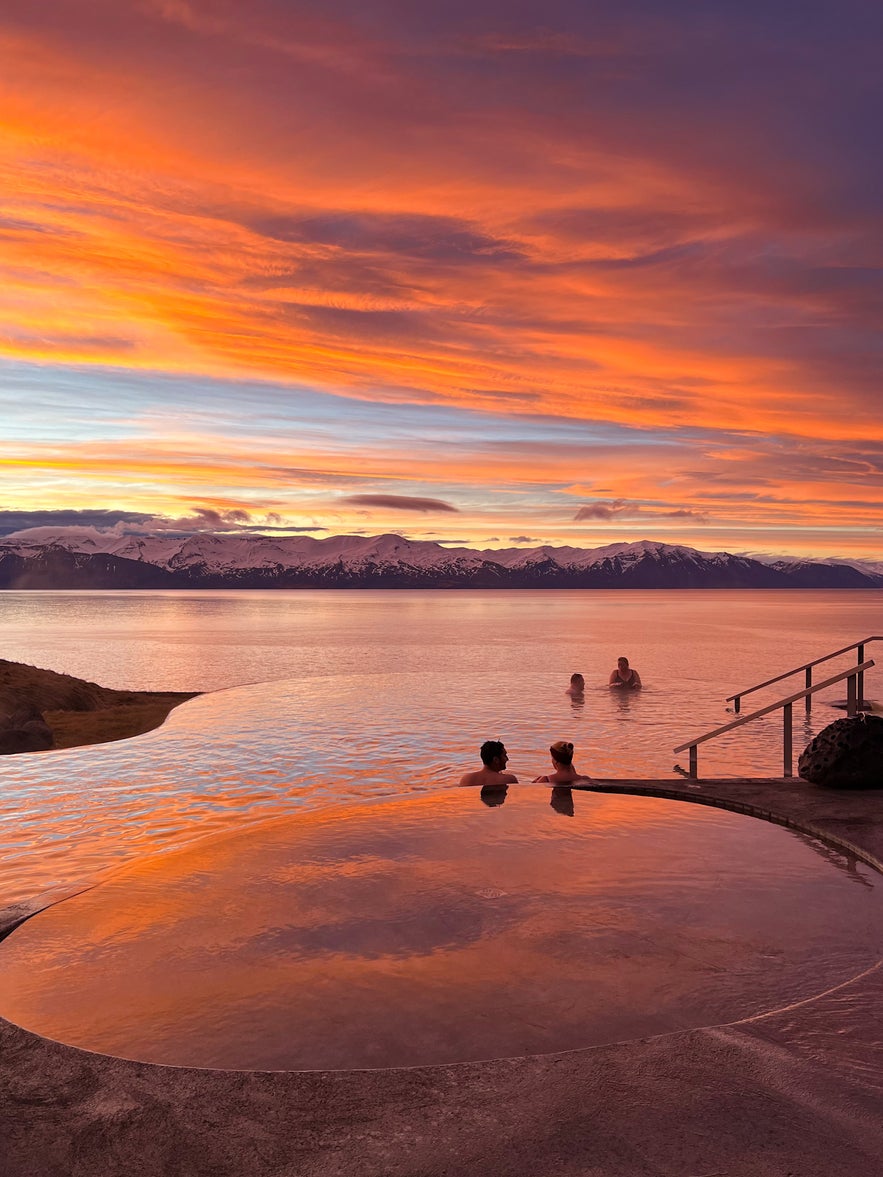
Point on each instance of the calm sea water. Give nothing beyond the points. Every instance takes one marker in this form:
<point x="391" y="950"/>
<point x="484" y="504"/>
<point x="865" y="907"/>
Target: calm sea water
<point x="365" y="695"/>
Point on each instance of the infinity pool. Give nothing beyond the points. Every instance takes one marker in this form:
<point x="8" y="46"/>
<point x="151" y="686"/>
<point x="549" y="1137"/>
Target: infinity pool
<point x="243" y="755"/>
<point x="441" y="927"/>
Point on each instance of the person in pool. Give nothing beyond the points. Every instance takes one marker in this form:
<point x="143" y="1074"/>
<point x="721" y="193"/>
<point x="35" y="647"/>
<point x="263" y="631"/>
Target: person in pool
<point x="562" y="763"/>
<point x="577" y="686"/>
<point x="494" y="759"/>
<point x="625" y="676"/>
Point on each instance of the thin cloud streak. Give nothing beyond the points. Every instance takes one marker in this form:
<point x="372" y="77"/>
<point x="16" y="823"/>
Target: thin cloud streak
<point x="399" y="503"/>
<point x="521" y="482"/>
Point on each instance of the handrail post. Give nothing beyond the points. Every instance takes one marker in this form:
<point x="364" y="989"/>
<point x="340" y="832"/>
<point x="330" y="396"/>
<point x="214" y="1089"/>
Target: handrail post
<point x="849" y="675"/>
<point x="859" y="647"/>
<point x="809" y="687"/>
<point x="787" y="742"/>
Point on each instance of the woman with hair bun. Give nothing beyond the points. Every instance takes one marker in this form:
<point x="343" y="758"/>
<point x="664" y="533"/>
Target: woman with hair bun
<point x="562" y="762"/>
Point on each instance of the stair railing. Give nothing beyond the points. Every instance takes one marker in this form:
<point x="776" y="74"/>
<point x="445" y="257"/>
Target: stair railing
<point x="853" y="695"/>
<point x="859" y="647"/>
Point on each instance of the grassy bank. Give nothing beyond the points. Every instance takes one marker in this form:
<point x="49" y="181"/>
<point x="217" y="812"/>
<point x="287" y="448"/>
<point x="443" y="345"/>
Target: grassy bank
<point x="79" y="712"/>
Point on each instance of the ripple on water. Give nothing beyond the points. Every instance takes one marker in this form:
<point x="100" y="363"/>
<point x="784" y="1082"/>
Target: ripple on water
<point x="250" y="752"/>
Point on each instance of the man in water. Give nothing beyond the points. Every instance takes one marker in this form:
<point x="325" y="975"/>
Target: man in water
<point x="577" y="686"/>
<point x="494" y="759"/>
<point x="624" y="676"/>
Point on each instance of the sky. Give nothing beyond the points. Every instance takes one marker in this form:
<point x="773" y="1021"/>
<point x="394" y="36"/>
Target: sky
<point x="486" y="273"/>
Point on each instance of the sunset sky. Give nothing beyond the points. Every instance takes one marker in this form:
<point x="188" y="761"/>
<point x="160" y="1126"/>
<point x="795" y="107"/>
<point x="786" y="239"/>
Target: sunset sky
<point x="488" y="272"/>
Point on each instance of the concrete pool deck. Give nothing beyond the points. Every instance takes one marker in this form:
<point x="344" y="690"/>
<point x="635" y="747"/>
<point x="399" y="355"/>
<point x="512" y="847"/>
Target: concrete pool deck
<point x="797" y="1091"/>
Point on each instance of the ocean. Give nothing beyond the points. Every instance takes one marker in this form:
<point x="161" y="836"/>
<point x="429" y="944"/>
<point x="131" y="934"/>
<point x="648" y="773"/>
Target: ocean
<point x="344" y="695"/>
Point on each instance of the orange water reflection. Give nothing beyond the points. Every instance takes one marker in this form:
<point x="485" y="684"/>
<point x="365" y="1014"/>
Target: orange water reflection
<point x="435" y="929"/>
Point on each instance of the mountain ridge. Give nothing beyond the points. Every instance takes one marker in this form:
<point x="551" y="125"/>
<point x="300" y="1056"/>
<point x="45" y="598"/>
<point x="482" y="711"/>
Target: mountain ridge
<point x="85" y="558"/>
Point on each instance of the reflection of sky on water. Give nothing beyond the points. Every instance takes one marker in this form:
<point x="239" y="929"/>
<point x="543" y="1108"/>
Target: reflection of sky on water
<point x="254" y="751"/>
<point x="376" y="693"/>
<point x="389" y="933"/>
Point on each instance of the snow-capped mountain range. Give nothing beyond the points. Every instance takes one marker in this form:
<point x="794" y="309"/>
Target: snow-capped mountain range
<point x="86" y="558"/>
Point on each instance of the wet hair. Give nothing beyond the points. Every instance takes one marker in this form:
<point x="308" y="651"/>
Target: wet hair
<point x="562" y="752"/>
<point x="622" y="658"/>
<point x="490" y="750"/>
<point x="577" y="679"/>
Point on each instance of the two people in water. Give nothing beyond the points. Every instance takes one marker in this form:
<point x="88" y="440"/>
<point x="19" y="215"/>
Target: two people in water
<point x="622" y="677"/>
<point x="494" y="759"/>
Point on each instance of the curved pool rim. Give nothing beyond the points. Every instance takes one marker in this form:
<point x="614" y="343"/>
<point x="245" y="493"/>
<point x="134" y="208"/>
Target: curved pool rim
<point x="14" y="918"/>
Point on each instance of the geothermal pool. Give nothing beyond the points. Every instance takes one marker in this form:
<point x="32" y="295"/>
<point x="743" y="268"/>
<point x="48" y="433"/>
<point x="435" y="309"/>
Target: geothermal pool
<point x="243" y="755"/>
<point x="443" y="927"/>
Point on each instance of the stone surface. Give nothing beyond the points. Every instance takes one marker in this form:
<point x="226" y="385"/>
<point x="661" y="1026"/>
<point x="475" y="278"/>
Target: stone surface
<point x="847" y="754"/>
<point x="23" y="729"/>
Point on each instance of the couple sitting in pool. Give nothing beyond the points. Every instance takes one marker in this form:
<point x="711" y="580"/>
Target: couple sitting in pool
<point x="494" y="759"/>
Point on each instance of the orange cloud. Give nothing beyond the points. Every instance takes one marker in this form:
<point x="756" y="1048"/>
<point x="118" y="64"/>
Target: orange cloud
<point x="525" y="224"/>
<point x="168" y="259"/>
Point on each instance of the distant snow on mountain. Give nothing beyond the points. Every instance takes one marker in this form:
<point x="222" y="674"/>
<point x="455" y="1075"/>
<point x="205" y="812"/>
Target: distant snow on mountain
<point x="108" y="559"/>
<point x="869" y="567"/>
<point x="837" y="572"/>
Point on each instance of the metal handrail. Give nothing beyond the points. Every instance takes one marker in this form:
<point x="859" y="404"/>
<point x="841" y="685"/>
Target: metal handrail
<point x="852" y="698"/>
<point x="859" y="647"/>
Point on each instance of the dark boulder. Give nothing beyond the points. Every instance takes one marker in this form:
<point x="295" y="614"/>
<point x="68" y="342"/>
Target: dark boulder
<point x="847" y="754"/>
<point x="24" y="730"/>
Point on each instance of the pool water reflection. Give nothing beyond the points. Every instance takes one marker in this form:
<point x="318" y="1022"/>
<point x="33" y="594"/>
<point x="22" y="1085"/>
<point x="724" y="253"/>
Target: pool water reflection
<point x="436" y="928"/>
<point x="253" y="752"/>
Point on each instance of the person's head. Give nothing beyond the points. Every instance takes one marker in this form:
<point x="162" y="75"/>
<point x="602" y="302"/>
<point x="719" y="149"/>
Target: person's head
<point x="577" y="682"/>
<point x="493" y="754"/>
<point x="622" y="663"/>
<point x="562" y="753"/>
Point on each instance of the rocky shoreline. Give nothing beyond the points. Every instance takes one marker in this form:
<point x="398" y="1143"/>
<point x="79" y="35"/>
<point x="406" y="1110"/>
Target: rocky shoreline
<point x="41" y="710"/>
